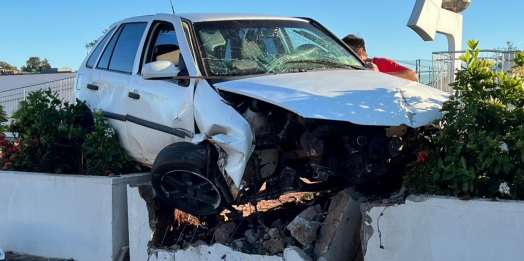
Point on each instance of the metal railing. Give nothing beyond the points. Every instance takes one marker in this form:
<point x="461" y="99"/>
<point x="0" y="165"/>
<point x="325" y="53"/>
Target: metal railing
<point x="442" y="73"/>
<point x="64" y="88"/>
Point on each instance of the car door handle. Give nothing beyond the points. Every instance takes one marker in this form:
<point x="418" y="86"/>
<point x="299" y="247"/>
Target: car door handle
<point x="133" y="95"/>
<point x="92" y="87"/>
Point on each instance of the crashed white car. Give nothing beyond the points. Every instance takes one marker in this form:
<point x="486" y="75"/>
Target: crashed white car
<point x="219" y="104"/>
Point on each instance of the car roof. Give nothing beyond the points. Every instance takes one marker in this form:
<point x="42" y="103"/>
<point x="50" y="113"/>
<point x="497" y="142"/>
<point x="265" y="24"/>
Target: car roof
<point x="202" y="17"/>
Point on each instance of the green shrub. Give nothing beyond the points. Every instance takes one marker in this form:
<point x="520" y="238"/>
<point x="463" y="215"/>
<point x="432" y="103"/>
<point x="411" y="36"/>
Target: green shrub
<point x="56" y="137"/>
<point x="102" y="150"/>
<point x="479" y="146"/>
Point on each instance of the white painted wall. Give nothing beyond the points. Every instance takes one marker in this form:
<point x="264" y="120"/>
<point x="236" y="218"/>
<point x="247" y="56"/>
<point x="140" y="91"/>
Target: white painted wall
<point x="139" y="230"/>
<point x="64" y="216"/>
<point x="444" y="229"/>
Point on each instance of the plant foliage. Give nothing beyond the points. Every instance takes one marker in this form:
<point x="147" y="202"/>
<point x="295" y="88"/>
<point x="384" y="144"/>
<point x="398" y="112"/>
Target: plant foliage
<point x="59" y="137"/>
<point x="478" y="149"/>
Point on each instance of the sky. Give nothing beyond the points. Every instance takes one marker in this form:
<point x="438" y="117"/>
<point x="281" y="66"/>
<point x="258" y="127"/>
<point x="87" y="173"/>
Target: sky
<point x="59" y="29"/>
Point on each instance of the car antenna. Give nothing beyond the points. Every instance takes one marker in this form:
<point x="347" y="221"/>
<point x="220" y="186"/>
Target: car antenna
<point x="172" y="8"/>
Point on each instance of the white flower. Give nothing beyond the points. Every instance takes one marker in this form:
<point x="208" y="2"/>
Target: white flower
<point x="503" y="147"/>
<point x="109" y="132"/>
<point x="504" y="188"/>
<point x="510" y="107"/>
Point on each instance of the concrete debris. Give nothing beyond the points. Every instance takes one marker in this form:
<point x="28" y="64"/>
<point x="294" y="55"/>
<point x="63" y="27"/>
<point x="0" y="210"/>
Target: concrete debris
<point x="221" y="252"/>
<point x="224" y="231"/>
<point x="295" y="253"/>
<point x="339" y="236"/>
<point x="273" y="246"/>
<point x="304" y="227"/>
<point x="274" y="233"/>
<point x="199" y="243"/>
<point x="249" y="232"/>
<point x="251" y="239"/>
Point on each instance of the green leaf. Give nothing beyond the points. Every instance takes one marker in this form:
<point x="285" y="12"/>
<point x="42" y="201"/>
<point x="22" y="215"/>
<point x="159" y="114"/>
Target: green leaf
<point x="448" y="176"/>
<point x="440" y="163"/>
<point x="436" y="176"/>
<point x="463" y="162"/>
<point x="458" y="149"/>
<point x="488" y="161"/>
<point x="496" y="170"/>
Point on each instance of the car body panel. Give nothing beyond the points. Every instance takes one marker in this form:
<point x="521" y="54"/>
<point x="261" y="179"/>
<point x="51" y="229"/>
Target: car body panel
<point x="223" y="126"/>
<point x="204" y="17"/>
<point x="172" y="104"/>
<point x="358" y="96"/>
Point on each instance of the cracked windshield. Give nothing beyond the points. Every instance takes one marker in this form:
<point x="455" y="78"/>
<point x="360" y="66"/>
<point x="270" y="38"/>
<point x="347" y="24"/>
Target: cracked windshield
<point x="274" y="46"/>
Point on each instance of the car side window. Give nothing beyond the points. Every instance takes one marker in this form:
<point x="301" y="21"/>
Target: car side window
<point x="96" y="52"/>
<point x="103" y="63"/>
<point x="162" y="44"/>
<point x="121" y="50"/>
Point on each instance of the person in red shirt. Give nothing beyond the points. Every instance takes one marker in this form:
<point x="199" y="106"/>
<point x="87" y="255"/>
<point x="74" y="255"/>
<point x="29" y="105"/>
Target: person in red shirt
<point x="380" y="64"/>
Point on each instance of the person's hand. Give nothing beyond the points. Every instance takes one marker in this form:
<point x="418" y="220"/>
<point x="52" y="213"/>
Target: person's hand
<point x="371" y="65"/>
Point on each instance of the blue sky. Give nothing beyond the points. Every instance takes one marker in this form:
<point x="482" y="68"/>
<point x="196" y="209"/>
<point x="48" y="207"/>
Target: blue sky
<point x="59" y="29"/>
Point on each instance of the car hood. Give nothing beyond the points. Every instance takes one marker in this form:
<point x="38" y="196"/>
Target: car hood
<point x="358" y="96"/>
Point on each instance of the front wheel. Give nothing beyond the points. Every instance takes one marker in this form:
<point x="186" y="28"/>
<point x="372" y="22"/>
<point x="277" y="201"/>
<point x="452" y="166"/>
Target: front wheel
<point x="180" y="176"/>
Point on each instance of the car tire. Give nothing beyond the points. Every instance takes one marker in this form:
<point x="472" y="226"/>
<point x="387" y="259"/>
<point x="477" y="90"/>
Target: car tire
<point x="181" y="177"/>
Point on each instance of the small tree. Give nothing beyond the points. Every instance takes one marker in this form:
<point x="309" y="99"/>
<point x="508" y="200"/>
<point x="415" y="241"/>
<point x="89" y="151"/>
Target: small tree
<point x="35" y="64"/>
<point x="92" y="44"/>
<point x="6" y="66"/>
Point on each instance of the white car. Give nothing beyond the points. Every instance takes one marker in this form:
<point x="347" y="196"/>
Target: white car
<point x="218" y="104"/>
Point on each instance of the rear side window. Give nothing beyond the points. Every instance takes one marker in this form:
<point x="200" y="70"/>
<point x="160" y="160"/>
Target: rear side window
<point x="96" y="52"/>
<point x="126" y="47"/>
<point x="106" y="56"/>
<point x="120" y="52"/>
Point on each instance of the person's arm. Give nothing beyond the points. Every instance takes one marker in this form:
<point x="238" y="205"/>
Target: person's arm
<point x="406" y="74"/>
<point x="391" y="67"/>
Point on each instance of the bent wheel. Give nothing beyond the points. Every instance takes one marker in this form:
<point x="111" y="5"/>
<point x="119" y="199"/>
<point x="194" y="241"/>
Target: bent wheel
<point x="190" y="191"/>
<point x="179" y="177"/>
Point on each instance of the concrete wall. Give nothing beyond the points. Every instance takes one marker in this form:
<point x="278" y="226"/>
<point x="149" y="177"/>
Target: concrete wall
<point x="443" y="229"/>
<point x="64" y="216"/>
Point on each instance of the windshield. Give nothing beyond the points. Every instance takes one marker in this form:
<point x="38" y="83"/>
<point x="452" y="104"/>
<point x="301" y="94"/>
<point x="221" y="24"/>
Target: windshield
<point x="268" y="46"/>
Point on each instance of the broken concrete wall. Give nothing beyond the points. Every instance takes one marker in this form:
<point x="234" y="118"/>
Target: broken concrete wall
<point x="142" y="221"/>
<point x="140" y="232"/>
<point x="339" y="237"/>
<point x="64" y="216"/>
<point x="221" y="252"/>
<point x="442" y="229"/>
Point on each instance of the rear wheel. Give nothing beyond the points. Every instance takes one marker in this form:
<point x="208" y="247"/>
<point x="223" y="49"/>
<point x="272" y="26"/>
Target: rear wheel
<point x="181" y="176"/>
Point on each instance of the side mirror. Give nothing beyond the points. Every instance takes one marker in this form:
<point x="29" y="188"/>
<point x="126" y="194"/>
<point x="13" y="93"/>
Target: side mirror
<point x="159" y="69"/>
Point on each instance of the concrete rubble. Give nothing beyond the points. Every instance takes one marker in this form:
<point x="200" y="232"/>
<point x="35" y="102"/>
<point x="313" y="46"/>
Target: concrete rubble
<point x="306" y="235"/>
<point x="304" y="227"/>
<point x="339" y="236"/>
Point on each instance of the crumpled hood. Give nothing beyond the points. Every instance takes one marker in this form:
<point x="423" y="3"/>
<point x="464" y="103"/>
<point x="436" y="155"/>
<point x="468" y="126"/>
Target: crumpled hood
<point x="359" y="96"/>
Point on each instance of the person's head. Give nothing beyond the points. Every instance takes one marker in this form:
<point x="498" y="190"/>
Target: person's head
<point x="357" y="44"/>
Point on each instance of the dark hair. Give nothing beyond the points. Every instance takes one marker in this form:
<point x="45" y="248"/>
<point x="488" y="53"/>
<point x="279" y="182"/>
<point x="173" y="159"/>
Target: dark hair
<point x="354" y="42"/>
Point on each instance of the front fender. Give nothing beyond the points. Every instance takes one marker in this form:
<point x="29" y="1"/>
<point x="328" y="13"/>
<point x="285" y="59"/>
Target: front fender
<point x="223" y="126"/>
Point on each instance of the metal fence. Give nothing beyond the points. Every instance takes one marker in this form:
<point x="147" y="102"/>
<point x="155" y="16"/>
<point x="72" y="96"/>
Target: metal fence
<point x="64" y="88"/>
<point x="442" y="69"/>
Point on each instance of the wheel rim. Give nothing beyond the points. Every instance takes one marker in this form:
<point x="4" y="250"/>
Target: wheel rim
<point x="190" y="191"/>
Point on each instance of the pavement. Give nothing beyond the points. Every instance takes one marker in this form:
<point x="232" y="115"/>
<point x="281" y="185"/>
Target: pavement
<point x="12" y="256"/>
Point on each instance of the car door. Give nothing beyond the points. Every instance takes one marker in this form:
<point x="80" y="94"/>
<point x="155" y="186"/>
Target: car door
<point x="160" y="111"/>
<point x="106" y="83"/>
<point x="114" y="72"/>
